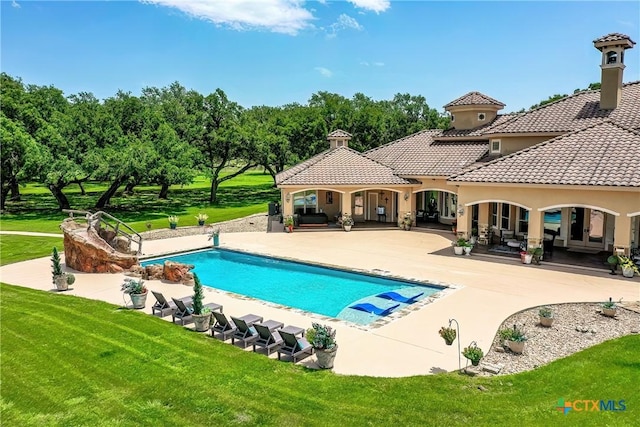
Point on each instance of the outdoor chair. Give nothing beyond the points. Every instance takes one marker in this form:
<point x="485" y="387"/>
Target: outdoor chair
<point x="163" y="307"/>
<point x="184" y="311"/>
<point x="370" y="308"/>
<point x="267" y="339"/>
<point x="296" y="348"/>
<point x="400" y="298"/>
<point x="227" y="327"/>
<point x="246" y="333"/>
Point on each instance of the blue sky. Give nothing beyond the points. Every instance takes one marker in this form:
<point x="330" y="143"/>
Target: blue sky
<point x="274" y="52"/>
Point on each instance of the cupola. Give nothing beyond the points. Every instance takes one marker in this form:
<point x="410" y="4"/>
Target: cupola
<point x="472" y="110"/>
<point x="338" y="138"/>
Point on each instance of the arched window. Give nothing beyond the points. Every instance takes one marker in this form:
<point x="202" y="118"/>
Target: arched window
<point x="612" y="57"/>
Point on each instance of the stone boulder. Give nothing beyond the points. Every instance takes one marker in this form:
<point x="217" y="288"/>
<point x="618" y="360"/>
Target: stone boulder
<point x="86" y="251"/>
<point x="177" y="272"/>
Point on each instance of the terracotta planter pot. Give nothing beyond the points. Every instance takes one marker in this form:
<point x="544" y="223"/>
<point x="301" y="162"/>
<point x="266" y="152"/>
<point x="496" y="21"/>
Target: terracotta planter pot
<point x="546" y="321"/>
<point x="326" y="357"/>
<point x="139" y="300"/>
<point x="516" y="346"/>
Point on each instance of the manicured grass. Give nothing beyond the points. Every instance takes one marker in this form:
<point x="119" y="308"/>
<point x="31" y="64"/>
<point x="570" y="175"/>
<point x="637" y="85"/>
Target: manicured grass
<point x="72" y="361"/>
<point x="244" y="195"/>
<point x="14" y="248"/>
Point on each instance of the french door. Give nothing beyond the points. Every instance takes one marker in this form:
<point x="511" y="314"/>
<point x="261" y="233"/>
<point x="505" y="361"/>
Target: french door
<point x="587" y="228"/>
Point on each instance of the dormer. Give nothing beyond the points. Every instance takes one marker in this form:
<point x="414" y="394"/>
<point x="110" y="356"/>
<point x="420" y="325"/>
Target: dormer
<point x="338" y="138"/>
<point x="612" y="47"/>
<point x="472" y="110"/>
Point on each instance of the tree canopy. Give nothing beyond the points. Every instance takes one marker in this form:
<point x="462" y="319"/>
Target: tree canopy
<point x="168" y="136"/>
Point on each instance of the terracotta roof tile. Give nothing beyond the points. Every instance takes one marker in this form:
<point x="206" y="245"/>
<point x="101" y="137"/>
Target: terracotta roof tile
<point x="474" y="98"/>
<point x="477" y="131"/>
<point x="602" y="154"/>
<point x="341" y="166"/>
<point x="339" y="133"/>
<point x="574" y="112"/>
<point x="420" y="155"/>
<point x="613" y="37"/>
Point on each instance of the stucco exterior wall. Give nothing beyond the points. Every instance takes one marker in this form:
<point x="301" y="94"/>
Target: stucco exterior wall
<point x="511" y="144"/>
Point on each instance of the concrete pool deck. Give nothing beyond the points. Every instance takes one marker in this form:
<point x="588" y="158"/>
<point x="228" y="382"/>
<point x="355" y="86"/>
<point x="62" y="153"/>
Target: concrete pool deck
<point x="486" y="292"/>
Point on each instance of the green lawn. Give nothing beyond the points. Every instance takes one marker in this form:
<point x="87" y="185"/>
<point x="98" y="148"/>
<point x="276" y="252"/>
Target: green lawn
<point x="71" y="361"/>
<point x="14" y="248"/>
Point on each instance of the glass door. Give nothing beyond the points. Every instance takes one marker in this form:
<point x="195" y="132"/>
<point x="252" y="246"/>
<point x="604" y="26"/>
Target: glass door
<point x="587" y="228"/>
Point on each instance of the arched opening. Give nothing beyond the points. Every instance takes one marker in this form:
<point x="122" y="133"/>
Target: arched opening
<point x="612" y="57"/>
<point x="436" y="208"/>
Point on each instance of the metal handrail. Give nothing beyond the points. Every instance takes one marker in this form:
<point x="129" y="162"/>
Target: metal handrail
<point x="133" y="236"/>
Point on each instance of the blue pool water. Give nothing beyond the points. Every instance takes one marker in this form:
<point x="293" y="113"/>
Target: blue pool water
<point x="312" y="288"/>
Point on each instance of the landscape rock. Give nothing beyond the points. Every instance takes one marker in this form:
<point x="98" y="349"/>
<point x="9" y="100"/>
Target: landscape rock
<point x="176" y="271"/>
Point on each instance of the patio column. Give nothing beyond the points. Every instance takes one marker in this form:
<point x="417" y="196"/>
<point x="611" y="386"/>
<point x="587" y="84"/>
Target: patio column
<point x="346" y="203"/>
<point x="535" y="235"/>
<point x="287" y="201"/>
<point x="622" y="235"/>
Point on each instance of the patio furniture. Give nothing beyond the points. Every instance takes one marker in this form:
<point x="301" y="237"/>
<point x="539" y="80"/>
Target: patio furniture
<point x="267" y="338"/>
<point x="164" y="307"/>
<point x="226" y="327"/>
<point x="370" y="308"/>
<point x="295" y="348"/>
<point x="398" y="297"/>
<point x="247" y="334"/>
<point x="184" y="312"/>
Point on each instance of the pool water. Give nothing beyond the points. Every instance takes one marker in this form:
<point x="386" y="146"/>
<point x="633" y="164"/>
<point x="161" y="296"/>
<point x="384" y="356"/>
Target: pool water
<point x="307" y="287"/>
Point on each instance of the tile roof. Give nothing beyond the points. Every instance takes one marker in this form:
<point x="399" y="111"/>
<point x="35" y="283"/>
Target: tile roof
<point x="601" y="154"/>
<point x="574" y="112"/>
<point x="477" y="131"/>
<point x="340" y="166"/>
<point x="474" y="98"/>
<point x="613" y="37"/>
<point x="339" y="133"/>
<point x="420" y="155"/>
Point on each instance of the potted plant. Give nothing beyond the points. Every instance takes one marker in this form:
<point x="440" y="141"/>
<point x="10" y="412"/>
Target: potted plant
<point x="448" y="333"/>
<point x="202" y="218"/>
<point x="515" y="339"/>
<point x="201" y="315"/>
<point x="629" y="268"/>
<point x="458" y="246"/>
<point x="613" y="260"/>
<point x="546" y="316"/>
<point x="288" y="223"/>
<point x="406" y="221"/>
<point x="136" y="290"/>
<point x="215" y="235"/>
<point x="347" y="222"/>
<point x="473" y="353"/>
<point x="173" y="221"/>
<point x="536" y="255"/>
<point x="58" y="278"/>
<point x="609" y="308"/>
<point x="323" y="339"/>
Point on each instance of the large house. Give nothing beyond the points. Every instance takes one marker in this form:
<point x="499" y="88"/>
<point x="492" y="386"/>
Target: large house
<point x="570" y="168"/>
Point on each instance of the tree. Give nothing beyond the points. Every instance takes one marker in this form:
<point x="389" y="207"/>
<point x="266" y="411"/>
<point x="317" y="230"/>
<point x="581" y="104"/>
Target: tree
<point x="222" y="141"/>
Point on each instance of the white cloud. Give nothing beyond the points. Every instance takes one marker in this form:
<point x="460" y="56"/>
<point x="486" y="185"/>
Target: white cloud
<point x="376" y="6"/>
<point x="344" y="22"/>
<point x="365" y="63"/>
<point x="15" y="4"/>
<point x="379" y="64"/>
<point x="375" y="64"/>
<point x="278" y="16"/>
<point x="324" y="71"/>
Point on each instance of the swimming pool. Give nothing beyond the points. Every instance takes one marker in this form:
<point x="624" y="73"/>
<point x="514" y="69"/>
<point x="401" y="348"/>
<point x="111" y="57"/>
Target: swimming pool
<point x="307" y="287"/>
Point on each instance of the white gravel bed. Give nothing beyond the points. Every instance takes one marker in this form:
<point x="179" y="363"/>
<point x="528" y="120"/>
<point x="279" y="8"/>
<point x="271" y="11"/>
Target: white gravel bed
<point x="575" y="327"/>
<point x="257" y="223"/>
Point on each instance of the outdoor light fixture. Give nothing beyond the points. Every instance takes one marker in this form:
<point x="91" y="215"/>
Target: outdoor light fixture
<point x="288" y="198"/>
<point x="461" y="211"/>
<point x="406" y="195"/>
